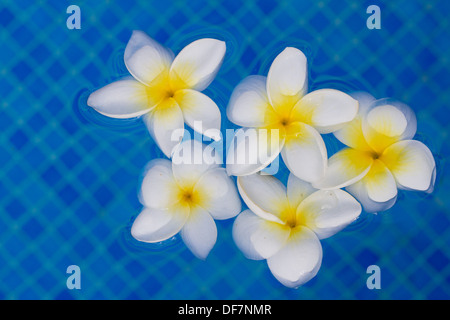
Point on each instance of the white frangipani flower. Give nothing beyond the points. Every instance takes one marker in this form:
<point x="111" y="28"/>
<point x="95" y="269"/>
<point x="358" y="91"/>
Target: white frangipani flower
<point x="380" y="156"/>
<point x="284" y="225"/>
<point x="279" y="103"/>
<point x="164" y="89"/>
<point x="186" y="195"/>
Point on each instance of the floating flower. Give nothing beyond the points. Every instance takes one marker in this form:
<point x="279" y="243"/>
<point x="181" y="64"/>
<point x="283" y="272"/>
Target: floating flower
<point x="184" y="196"/>
<point x="381" y="156"/>
<point x="284" y="225"/>
<point x="164" y="89"/>
<point x="294" y="120"/>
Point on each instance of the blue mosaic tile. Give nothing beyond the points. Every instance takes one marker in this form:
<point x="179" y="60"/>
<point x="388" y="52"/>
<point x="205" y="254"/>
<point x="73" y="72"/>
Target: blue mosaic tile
<point x="6" y="17"/>
<point x="51" y="176"/>
<point x="438" y="260"/>
<point x="103" y="195"/>
<point x="23" y="35"/>
<point x="84" y="248"/>
<point x="19" y="139"/>
<point x="70" y="158"/>
<point x="33" y="228"/>
<point x="68" y="194"/>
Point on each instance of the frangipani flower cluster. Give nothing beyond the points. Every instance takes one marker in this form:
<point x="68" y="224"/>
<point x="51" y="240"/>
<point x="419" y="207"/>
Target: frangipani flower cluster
<point x="166" y="90"/>
<point x="283" y="225"/>
<point x="380" y="155"/>
<point x="279" y="103"/>
<point x="186" y="197"/>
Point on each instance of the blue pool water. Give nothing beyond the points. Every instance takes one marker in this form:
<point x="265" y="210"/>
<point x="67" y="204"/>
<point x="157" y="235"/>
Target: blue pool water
<point x="69" y="177"/>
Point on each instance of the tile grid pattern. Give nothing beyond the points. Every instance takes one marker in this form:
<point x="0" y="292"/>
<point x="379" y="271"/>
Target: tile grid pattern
<point x="68" y="185"/>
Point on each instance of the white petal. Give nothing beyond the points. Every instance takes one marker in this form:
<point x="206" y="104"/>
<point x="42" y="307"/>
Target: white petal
<point x="298" y="190"/>
<point x="379" y="183"/>
<point x="249" y="102"/>
<point x="243" y="228"/>
<point x="265" y="195"/>
<point x="352" y="133"/>
<point x="388" y="121"/>
<point x="200" y="112"/>
<point x="328" y="212"/>
<point x="345" y="168"/>
<point x="158" y="186"/>
<point x="155" y="225"/>
<point x="252" y="149"/>
<point x="328" y="109"/>
<point x="433" y="181"/>
<point x="198" y="63"/>
<point x="258" y="238"/>
<point x="359" y="191"/>
<point x="191" y="159"/>
<point x="305" y="155"/>
<point x="199" y="233"/>
<point x="287" y="77"/>
<point x="364" y="99"/>
<point x="223" y="200"/>
<point x="411" y="163"/>
<point x="120" y="99"/>
<point x="299" y="260"/>
<point x="166" y="125"/>
<point x="145" y="58"/>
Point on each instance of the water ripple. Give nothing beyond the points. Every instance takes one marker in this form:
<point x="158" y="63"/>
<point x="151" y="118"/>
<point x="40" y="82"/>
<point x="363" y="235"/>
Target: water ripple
<point x="126" y="240"/>
<point x="363" y="221"/>
<point x="87" y="114"/>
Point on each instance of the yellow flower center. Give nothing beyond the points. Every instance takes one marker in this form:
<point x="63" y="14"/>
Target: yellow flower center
<point x="188" y="197"/>
<point x="164" y="88"/>
<point x="375" y="155"/>
<point x="279" y="117"/>
<point x="289" y="216"/>
<point x="288" y="117"/>
<point x="168" y="93"/>
<point x="191" y="195"/>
